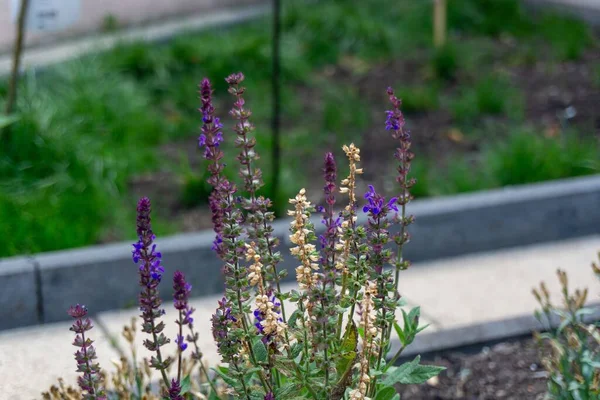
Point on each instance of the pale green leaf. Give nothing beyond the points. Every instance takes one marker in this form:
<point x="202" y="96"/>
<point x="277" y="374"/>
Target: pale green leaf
<point x="260" y="351"/>
<point x="420" y="374"/>
<point x="401" y="372"/>
<point x="386" y="393"/>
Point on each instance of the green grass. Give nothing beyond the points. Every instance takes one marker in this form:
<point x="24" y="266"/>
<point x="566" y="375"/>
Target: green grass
<point x="491" y="95"/>
<point x="69" y="155"/>
<point x="489" y="17"/>
<point x="527" y="158"/>
<point x="419" y="99"/>
<point x="524" y="157"/>
<point x="87" y="127"/>
<point x="569" y="37"/>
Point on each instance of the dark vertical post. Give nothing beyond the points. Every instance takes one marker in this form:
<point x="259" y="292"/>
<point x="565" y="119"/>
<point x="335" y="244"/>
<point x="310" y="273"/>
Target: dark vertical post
<point x="275" y="87"/>
<point x="12" y="83"/>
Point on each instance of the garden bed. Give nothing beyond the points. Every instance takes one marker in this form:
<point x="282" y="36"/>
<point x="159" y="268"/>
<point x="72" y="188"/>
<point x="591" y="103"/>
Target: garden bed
<point x="508" y="370"/>
<point x="510" y="100"/>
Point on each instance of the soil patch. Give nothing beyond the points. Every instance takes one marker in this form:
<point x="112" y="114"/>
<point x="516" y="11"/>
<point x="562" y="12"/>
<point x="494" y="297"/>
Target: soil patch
<point x="508" y="370"/>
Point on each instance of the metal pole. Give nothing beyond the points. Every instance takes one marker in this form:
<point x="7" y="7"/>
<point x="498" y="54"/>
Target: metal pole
<point x="275" y="87"/>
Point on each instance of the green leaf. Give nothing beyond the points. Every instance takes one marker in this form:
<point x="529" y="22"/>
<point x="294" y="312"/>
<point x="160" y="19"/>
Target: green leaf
<point x="344" y="364"/>
<point x="402" y="372"/>
<point x="413" y="314"/>
<point x="285" y="365"/>
<point x="421" y="328"/>
<point x="361" y="332"/>
<point x="293" y="319"/>
<point x="260" y="351"/>
<point x="296" y="349"/>
<point x="400" y="333"/>
<point x="6" y="120"/>
<point x="227" y="379"/>
<point x="387" y="393"/>
<point x="350" y="340"/>
<point x="287" y="390"/>
<point x="421" y="373"/>
<point x="407" y="324"/>
<point x="185" y="385"/>
<point x="396" y="397"/>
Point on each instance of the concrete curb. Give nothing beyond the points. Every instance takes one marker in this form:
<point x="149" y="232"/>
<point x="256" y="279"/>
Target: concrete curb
<point x="587" y="10"/>
<point x="41" y="288"/>
<point x="448" y="339"/>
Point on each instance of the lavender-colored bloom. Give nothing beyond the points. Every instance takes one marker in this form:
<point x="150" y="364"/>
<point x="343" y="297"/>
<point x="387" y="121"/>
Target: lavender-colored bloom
<point x="181" y="290"/>
<point x="330" y="172"/>
<point x="175" y="390"/>
<point x="181" y="344"/>
<point x="395" y="119"/>
<point x="269" y="396"/>
<point x="181" y="293"/>
<point x="223" y="321"/>
<point x="150" y="271"/>
<point x="211" y="135"/>
<point x="243" y="127"/>
<point x="376" y="203"/>
<point x="90" y="381"/>
<point x="404" y="156"/>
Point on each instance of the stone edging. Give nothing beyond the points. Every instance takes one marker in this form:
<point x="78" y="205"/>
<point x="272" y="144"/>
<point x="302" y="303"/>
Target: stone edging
<point x="478" y="333"/>
<point x="40" y="288"/>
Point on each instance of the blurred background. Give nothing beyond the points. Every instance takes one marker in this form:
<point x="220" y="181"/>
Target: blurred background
<point x="495" y="92"/>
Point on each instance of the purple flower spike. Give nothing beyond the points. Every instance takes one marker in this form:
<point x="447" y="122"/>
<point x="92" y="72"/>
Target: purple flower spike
<point x="90" y="381"/>
<point x="181" y="293"/>
<point x="223" y="322"/>
<point x="175" y="390"/>
<point x="182" y="290"/>
<point x="395" y="119"/>
<point x="150" y="271"/>
<point x="330" y="178"/>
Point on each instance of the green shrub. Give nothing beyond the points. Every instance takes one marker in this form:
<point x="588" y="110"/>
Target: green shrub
<point x="461" y="175"/>
<point x="526" y="158"/>
<point x="488" y="17"/>
<point x="492" y="95"/>
<point x="445" y="62"/>
<point x="141" y="60"/>
<point x="71" y="152"/>
<point x="421" y="171"/>
<point x="420" y="98"/>
<point x="569" y="37"/>
<point x="343" y="113"/>
<point x="569" y="347"/>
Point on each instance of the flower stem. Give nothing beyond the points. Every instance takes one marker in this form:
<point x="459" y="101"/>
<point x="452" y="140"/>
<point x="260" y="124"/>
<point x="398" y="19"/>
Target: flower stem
<point x="180" y="355"/>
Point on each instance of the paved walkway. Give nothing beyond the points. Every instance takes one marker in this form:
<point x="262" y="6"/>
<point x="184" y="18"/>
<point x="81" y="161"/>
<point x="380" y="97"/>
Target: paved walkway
<point x="44" y="56"/>
<point x="466" y="300"/>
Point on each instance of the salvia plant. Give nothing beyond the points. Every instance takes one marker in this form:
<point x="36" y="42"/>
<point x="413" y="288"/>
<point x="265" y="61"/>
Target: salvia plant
<point x="571" y="351"/>
<point x="330" y="338"/>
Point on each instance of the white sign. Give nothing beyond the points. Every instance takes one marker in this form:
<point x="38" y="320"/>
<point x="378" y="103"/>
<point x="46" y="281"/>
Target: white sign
<point x="48" y="15"/>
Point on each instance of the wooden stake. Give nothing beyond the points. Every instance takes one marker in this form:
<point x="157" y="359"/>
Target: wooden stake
<point x="439" y="23"/>
<point x="12" y="84"/>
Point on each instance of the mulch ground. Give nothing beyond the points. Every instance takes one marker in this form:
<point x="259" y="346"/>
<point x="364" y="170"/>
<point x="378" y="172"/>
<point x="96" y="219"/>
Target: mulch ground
<point x="509" y="370"/>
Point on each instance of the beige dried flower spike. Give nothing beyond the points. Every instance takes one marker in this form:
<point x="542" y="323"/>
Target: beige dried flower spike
<point x="304" y="250"/>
